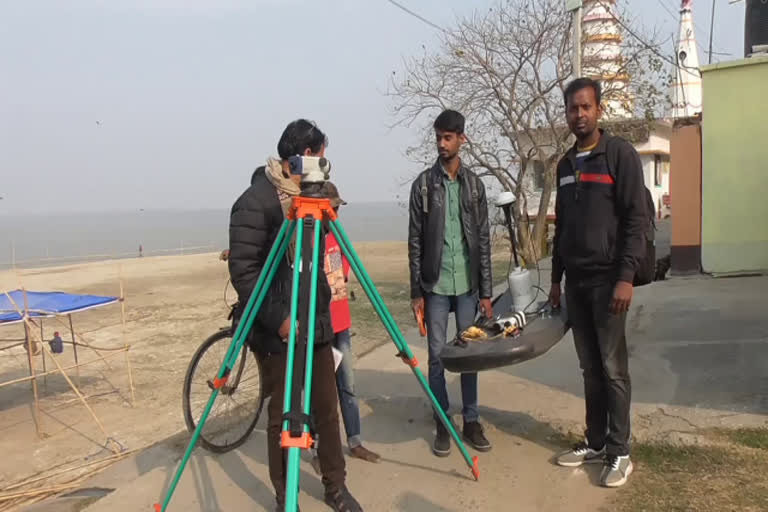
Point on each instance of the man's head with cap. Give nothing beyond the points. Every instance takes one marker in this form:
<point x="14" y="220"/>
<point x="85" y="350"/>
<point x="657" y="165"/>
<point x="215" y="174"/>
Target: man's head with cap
<point x="332" y="193"/>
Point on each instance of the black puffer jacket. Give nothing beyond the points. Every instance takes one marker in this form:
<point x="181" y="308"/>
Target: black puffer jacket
<point x="254" y="222"/>
<point x="426" y="232"/>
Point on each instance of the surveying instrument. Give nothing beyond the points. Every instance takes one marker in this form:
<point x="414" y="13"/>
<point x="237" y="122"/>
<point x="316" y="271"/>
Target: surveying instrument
<point x="307" y="214"/>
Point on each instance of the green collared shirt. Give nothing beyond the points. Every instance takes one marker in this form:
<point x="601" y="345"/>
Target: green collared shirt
<point x="454" y="265"/>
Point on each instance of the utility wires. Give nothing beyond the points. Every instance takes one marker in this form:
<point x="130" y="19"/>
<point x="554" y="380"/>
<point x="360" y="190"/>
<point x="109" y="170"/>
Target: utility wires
<point x="416" y="15"/>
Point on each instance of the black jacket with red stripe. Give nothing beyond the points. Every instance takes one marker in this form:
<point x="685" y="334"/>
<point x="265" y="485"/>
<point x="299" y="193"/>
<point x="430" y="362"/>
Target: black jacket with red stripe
<point x="600" y="213"/>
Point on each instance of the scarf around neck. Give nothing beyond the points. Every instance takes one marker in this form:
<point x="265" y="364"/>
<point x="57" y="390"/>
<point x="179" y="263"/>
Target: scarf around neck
<point x="286" y="188"/>
<point x="286" y="191"/>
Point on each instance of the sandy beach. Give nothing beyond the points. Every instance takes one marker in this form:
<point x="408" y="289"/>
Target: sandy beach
<point x="172" y="304"/>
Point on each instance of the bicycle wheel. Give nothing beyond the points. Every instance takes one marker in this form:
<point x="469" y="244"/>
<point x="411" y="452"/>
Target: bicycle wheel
<point x="237" y="408"/>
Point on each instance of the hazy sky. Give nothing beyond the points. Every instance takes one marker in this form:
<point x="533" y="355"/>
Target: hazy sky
<point x="191" y="95"/>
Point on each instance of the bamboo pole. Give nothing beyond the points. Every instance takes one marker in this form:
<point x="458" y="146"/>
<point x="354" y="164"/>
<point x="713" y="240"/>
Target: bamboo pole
<point x="115" y="449"/>
<point x="31" y="496"/>
<point x="122" y="320"/>
<point x="30" y="350"/>
<point x="110" y="459"/>
<point x="83" y="342"/>
<point x="25" y="494"/>
<point x="50" y="372"/>
<point x="74" y="348"/>
<point x="33" y="381"/>
<point x="42" y="353"/>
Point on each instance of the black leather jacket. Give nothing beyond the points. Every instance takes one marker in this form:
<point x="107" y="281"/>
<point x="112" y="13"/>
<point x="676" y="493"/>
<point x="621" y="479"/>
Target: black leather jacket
<point x="426" y="232"/>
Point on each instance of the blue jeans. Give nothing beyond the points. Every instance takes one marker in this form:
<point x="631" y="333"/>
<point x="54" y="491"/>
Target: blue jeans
<point x="436" y="310"/>
<point x="345" y="384"/>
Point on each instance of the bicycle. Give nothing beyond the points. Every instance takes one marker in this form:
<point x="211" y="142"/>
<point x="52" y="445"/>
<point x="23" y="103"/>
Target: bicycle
<point x="232" y="419"/>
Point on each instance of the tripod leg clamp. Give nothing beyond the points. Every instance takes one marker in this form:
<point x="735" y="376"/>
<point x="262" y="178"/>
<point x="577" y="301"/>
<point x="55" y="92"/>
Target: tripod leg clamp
<point x="412" y="361"/>
<point x="296" y="437"/>
<point x="304" y="441"/>
<point x="219" y="383"/>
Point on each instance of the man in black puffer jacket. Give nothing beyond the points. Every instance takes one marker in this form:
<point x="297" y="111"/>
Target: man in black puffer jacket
<point x="255" y="221"/>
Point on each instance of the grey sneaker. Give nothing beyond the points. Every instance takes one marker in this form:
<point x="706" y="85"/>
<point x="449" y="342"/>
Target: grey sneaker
<point x="581" y="454"/>
<point x="616" y="471"/>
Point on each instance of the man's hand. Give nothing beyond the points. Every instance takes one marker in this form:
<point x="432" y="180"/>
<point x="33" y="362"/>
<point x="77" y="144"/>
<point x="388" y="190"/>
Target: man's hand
<point x="486" y="307"/>
<point x="622" y="297"/>
<point x="417" y="305"/>
<point x="554" y="295"/>
<point x="285" y="329"/>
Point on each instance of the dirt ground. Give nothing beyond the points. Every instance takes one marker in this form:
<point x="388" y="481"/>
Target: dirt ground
<point x="172" y="304"/>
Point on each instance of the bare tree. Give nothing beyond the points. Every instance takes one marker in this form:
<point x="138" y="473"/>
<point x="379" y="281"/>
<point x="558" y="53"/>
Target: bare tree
<point x="506" y="70"/>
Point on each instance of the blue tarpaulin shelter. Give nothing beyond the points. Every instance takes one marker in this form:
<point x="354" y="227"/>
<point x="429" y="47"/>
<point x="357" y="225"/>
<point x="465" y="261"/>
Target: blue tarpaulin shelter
<point x="39" y="305"/>
<point x="48" y="304"/>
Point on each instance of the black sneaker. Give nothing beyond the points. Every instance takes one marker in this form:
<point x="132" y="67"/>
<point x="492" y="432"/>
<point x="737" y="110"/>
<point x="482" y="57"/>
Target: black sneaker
<point x="442" y="445"/>
<point x="342" y="501"/>
<point x="473" y="434"/>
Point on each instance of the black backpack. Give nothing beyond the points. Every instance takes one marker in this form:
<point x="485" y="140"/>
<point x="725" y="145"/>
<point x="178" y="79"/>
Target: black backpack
<point x="646" y="267"/>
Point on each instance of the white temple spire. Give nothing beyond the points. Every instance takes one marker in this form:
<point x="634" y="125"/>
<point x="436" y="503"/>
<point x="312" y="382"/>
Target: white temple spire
<point x="686" y="91"/>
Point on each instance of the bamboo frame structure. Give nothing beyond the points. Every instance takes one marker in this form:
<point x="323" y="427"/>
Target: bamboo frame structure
<point x="34" y="339"/>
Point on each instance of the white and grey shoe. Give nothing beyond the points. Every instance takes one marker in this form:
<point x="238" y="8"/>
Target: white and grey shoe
<point x="616" y="471"/>
<point x="581" y="454"/>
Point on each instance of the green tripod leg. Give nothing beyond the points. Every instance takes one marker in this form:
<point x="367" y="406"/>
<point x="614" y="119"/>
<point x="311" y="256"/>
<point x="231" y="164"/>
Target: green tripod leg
<point x="397" y="337"/>
<point x="260" y="290"/>
<point x="289" y="438"/>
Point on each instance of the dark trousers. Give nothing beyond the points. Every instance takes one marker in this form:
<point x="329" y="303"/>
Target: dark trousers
<point x="601" y="345"/>
<point x="325" y="414"/>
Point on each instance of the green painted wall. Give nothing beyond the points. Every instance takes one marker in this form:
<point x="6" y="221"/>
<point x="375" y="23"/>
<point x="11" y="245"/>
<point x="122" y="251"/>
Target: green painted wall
<point x="734" y="181"/>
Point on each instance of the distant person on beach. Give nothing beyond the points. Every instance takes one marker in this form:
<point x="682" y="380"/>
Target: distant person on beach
<point x="255" y="220"/>
<point x="600" y="222"/>
<point x="337" y="272"/>
<point x="449" y="254"/>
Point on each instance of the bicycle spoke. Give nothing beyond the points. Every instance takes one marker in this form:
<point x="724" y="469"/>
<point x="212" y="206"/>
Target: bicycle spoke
<point x="232" y="417"/>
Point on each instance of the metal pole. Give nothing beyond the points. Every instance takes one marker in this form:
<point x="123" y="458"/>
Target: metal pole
<point x="577" y="42"/>
<point x="293" y="455"/>
<point x="508" y="215"/>
<point x="711" y="30"/>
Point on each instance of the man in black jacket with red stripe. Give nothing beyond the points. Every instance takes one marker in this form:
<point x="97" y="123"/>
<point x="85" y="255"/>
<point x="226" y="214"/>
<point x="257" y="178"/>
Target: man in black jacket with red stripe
<point x="600" y="222"/>
<point x="254" y="223"/>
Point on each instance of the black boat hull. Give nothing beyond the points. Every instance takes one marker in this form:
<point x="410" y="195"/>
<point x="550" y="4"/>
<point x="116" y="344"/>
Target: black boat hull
<point x="541" y="334"/>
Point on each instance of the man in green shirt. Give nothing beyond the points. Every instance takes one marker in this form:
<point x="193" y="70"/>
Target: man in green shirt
<point x="449" y="254"/>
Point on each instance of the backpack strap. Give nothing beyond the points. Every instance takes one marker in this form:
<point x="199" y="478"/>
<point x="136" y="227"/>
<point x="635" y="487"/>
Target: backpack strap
<point x="648" y="197"/>
<point x="424" y="193"/>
